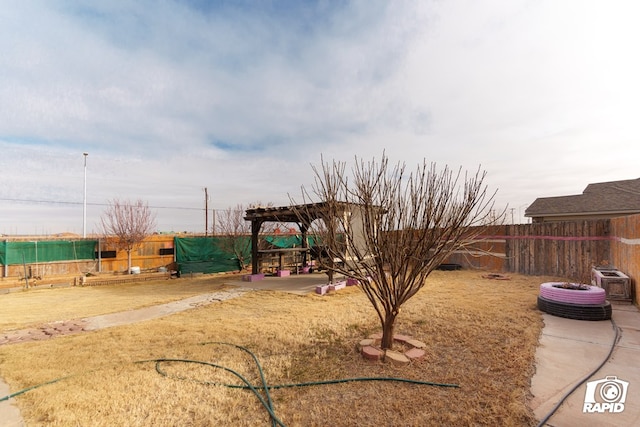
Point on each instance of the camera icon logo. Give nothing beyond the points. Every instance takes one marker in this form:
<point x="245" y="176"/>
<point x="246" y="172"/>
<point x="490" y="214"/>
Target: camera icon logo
<point x="606" y="395"/>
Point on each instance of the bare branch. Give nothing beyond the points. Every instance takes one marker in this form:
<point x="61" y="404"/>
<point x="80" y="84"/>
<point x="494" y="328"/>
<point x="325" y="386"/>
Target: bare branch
<point x="390" y="228"/>
<point x="130" y="223"/>
<point x="235" y="232"/>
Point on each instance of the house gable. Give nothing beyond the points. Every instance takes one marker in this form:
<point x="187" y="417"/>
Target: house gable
<point x="599" y="200"/>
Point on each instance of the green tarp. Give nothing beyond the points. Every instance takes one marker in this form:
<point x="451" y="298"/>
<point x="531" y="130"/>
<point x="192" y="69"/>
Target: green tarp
<point x="212" y="255"/>
<point x="294" y="241"/>
<point x="12" y="253"/>
<point x="207" y="255"/>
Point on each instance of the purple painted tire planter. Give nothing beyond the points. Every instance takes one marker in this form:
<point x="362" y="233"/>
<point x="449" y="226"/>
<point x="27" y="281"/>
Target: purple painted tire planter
<point x="592" y="295"/>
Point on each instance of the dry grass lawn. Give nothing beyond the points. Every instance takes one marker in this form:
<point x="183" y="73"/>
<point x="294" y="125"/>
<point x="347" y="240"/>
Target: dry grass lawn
<point x="33" y="307"/>
<point x="481" y="334"/>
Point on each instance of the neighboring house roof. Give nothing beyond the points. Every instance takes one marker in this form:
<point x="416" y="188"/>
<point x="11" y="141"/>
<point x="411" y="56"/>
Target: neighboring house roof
<point x="604" y="198"/>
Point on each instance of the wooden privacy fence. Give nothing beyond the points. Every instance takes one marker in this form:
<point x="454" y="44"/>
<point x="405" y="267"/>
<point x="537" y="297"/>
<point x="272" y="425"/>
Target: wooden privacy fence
<point x="567" y="249"/>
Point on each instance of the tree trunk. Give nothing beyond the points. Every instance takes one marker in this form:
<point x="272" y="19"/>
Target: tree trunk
<point x="387" y="331"/>
<point x="129" y="261"/>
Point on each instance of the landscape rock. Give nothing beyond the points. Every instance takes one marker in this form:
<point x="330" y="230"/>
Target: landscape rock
<point x="396" y="358"/>
<point x="415" y="353"/>
<point x="372" y="353"/>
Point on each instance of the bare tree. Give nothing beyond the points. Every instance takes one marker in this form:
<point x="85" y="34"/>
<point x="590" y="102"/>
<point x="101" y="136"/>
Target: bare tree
<point x="130" y="223"/>
<point x="235" y="234"/>
<point x="390" y="229"/>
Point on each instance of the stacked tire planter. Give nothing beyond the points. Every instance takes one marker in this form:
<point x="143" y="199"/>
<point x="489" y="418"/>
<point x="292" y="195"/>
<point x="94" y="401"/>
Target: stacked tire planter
<point x="574" y="301"/>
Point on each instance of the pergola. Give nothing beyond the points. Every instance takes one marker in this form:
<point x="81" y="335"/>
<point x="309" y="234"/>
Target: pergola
<point x="302" y="215"/>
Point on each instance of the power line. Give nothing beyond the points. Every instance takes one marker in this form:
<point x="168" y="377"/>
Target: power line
<point x="55" y="202"/>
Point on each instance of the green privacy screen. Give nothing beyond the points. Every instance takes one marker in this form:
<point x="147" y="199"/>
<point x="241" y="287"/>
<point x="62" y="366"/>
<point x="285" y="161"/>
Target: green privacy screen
<point x="12" y="253"/>
<point x="214" y="255"/>
<point x="289" y="241"/>
<point x="208" y="254"/>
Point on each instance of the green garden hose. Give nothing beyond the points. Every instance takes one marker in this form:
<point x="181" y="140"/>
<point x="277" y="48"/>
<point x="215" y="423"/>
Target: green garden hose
<point x="260" y="391"/>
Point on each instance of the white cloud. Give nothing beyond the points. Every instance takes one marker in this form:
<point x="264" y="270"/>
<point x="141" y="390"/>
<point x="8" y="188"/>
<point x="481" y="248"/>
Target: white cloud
<point x="169" y="97"/>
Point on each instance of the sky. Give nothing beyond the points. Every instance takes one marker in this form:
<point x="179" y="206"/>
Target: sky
<point x="244" y="97"/>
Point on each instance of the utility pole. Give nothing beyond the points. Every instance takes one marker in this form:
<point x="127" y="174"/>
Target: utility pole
<point x="206" y="212"/>
<point x="84" y="201"/>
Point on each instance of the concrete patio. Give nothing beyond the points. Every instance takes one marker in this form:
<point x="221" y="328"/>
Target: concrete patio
<point x="569" y="350"/>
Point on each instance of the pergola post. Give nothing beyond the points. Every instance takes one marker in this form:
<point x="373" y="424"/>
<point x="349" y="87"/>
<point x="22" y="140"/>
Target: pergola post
<point x="305" y="244"/>
<point x="255" y="232"/>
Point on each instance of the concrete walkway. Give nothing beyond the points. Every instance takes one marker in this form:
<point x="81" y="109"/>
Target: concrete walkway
<point x="157" y="311"/>
<point x="299" y="284"/>
<point x="569" y="351"/>
<point x="10" y="414"/>
<point x="68" y="327"/>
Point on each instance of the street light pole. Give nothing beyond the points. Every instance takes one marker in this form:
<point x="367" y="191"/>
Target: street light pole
<point x="84" y="203"/>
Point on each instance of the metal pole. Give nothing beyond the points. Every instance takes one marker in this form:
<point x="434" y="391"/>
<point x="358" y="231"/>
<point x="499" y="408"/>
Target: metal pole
<point x="206" y="212"/>
<point x="84" y="203"/>
<point x="26" y="276"/>
<point x="5" y="272"/>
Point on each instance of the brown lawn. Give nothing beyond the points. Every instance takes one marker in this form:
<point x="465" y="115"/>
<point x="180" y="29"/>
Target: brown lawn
<point x="481" y="335"/>
<point x="36" y="306"/>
